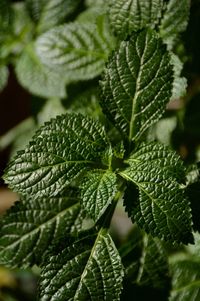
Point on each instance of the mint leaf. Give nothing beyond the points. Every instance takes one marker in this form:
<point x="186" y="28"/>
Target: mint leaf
<point x="185" y="280"/>
<point x="38" y="78"/>
<point x="174" y="21"/>
<point x="162" y="208"/>
<point x="137" y="84"/>
<point x="48" y="14"/>
<point x="180" y="82"/>
<point x="31" y="225"/>
<point x="59" y="152"/>
<point x="89" y="269"/>
<point x="97" y="191"/>
<point x="126" y="16"/>
<point x="153" y="270"/>
<point x="78" y="51"/>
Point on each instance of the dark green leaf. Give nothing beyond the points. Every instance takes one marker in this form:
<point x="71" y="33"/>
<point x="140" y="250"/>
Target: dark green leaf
<point x="162" y="208"/>
<point x="97" y="191"/>
<point x="137" y="84"/>
<point x="78" y="51"/>
<point x="31" y="225"/>
<point x="129" y="15"/>
<point x="59" y="152"/>
<point x="89" y="269"/>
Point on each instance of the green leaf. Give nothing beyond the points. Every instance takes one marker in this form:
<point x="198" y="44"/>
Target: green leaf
<point x="48" y="14"/>
<point x="59" y="152"/>
<point x="137" y="84"/>
<point x="78" y="51"/>
<point x="37" y="78"/>
<point x="126" y="16"/>
<point x="162" y="208"/>
<point x="97" y="191"/>
<point x="89" y="269"/>
<point x="174" y="21"/>
<point x="31" y="225"/>
<point x="3" y="77"/>
<point x="5" y="15"/>
<point x="153" y="269"/>
<point x="185" y="281"/>
<point x="180" y="83"/>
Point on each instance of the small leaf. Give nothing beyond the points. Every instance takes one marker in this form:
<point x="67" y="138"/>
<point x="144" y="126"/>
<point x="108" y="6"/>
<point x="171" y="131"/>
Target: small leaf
<point x="162" y="208"/>
<point x="3" y="77"/>
<point x="5" y="15"/>
<point x="180" y="83"/>
<point x="89" y="269"/>
<point x="37" y="78"/>
<point x="59" y="152"/>
<point x="185" y="281"/>
<point x="137" y="84"/>
<point x="174" y="21"/>
<point x="97" y="191"/>
<point x="132" y="15"/>
<point x="78" y="51"/>
<point x="31" y="225"/>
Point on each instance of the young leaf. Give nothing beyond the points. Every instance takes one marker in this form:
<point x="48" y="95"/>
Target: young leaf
<point x="185" y="281"/>
<point x="180" y="83"/>
<point x="137" y="84"/>
<point x="126" y="16"/>
<point x="31" y="225"/>
<point x="97" y="191"/>
<point x="174" y="21"/>
<point x="89" y="269"/>
<point x="162" y="208"/>
<point x="59" y="152"/>
<point x="78" y="51"/>
<point x="48" y="14"/>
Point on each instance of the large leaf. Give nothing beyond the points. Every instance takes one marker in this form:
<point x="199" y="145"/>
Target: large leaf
<point x="59" y="152"/>
<point x="77" y="50"/>
<point x="185" y="280"/>
<point x="37" y="78"/>
<point x="162" y="209"/>
<point x="126" y="16"/>
<point x="48" y="14"/>
<point x="97" y="191"/>
<point x="174" y="21"/>
<point x="89" y="269"/>
<point x="137" y="84"/>
<point x="31" y="225"/>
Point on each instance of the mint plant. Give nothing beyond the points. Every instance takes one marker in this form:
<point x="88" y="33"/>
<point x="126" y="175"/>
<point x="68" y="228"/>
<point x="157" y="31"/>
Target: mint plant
<point x="77" y="169"/>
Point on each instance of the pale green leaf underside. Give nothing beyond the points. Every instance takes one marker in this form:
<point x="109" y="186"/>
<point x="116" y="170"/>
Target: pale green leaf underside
<point x="37" y="78"/>
<point x="3" y="77"/>
<point x="97" y="192"/>
<point x="59" y="152"/>
<point x="137" y="84"/>
<point x="129" y="15"/>
<point x="180" y="83"/>
<point x="174" y="21"/>
<point x="162" y="208"/>
<point x="185" y="281"/>
<point x="31" y="225"/>
<point x="90" y="269"/>
<point x="78" y="51"/>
